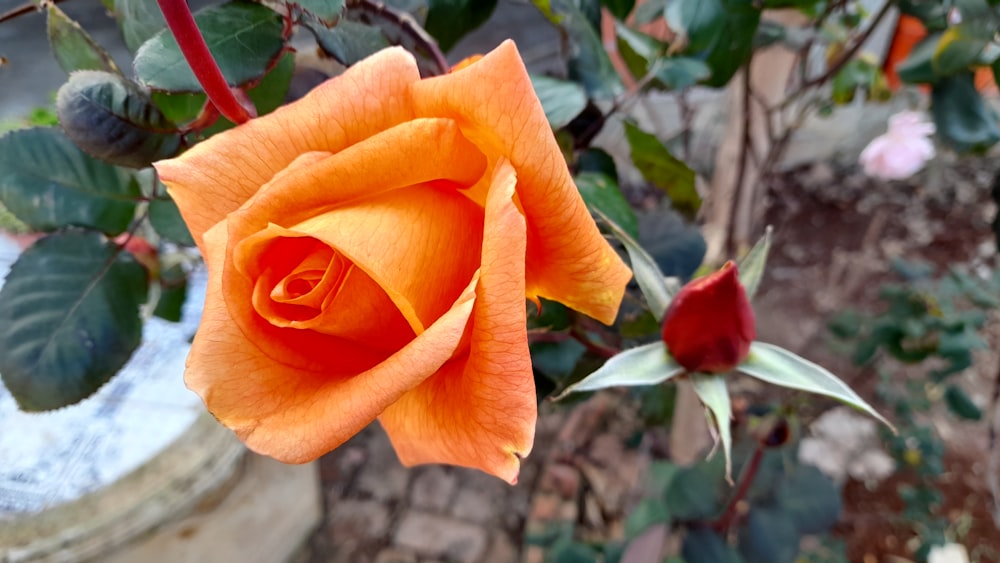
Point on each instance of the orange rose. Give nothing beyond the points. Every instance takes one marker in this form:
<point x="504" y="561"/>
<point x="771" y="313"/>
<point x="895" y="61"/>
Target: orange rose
<point x="370" y="248"/>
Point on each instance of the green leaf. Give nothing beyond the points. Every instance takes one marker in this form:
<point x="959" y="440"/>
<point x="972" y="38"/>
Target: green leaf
<point x="769" y="536"/>
<point x="647" y="274"/>
<point x="648" y="11"/>
<point x="69" y="319"/>
<point x="663" y="170"/>
<point x="696" y="492"/>
<point x="565" y="550"/>
<point x="588" y="60"/>
<point x="918" y="66"/>
<point x="957" y="50"/>
<point x="326" y="12"/>
<point x="702" y="545"/>
<point x="620" y="9"/>
<point x="777" y="366"/>
<point x="711" y="390"/>
<point x="638" y="49"/>
<point x="720" y="32"/>
<point x="661" y="475"/>
<point x="173" y="293"/>
<point x="244" y="38"/>
<point x="562" y="100"/>
<point x="677" y="73"/>
<point x="961" y="117"/>
<point x="139" y="20"/>
<point x="450" y="20"/>
<point x="810" y="498"/>
<point x="557" y="359"/>
<point x="73" y="47"/>
<point x="753" y="264"/>
<point x="49" y="183"/>
<point x="110" y="118"/>
<point x="649" y="364"/>
<point x="676" y="244"/>
<point x="648" y="512"/>
<point x="167" y="221"/>
<point x="350" y="41"/>
<point x="602" y="192"/>
<point x="960" y="404"/>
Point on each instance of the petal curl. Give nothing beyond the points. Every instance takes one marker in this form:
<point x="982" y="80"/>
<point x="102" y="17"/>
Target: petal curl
<point x="217" y="176"/>
<point x="296" y="413"/>
<point x="567" y="258"/>
<point x="480" y="410"/>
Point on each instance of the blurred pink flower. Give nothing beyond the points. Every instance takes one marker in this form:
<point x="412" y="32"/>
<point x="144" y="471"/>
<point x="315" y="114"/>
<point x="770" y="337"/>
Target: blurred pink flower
<point x="901" y="151"/>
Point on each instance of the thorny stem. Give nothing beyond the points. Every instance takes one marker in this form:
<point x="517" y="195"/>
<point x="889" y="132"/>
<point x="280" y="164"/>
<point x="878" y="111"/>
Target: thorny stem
<point x="206" y="70"/>
<point x="373" y="10"/>
<point x="742" y="488"/>
<point x="26" y="8"/>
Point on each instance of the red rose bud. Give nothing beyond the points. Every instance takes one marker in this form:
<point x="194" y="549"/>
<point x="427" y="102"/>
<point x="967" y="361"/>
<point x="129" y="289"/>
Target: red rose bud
<point x="709" y="324"/>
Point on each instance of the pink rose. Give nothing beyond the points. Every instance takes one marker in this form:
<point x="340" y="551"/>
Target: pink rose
<point x="902" y="151"/>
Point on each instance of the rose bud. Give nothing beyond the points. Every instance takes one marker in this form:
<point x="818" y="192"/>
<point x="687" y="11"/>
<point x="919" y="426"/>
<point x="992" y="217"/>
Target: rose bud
<point x="709" y="324"/>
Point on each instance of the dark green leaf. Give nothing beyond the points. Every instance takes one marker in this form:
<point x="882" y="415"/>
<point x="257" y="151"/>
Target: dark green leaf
<point x="638" y="49"/>
<point x="645" y="514"/>
<point x="918" y="67"/>
<point x="676" y="73"/>
<point x="696" y="492"/>
<point x="588" y="60"/>
<point x="619" y="8"/>
<point x="562" y="100"/>
<point x="565" y="550"/>
<point x="957" y="50"/>
<point x="49" y="183"/>
<point x="166" y="219"/>
<point x="962" y="118"/>
<point x="596" y="160"/>
<point x="602" y="192"/>
<point x="449" y="20"/>
<point x="647" y="273"/>
<point x="720" y="32"/>
<point x="676" y="244"/>
<point x="139" y="21"/>
<point x="244" y="38"/>
<point x="661" y="475"/>
<point x="553" y="315"/>
<point x="663" y="170"/>
<point x="173" y="293"/>
<point x="702" y="545"/>
<point x="325" y="11"/>
<point x="73" y="47"/>
<point x="69" y="319"/>
<point x="810" y="498"/>
<point x="110" y="118"/>
<point x="350" y="41"/>
<point x="769" y="536"/>
<point x="557" y="359"/>
<point x="960" y="404"/>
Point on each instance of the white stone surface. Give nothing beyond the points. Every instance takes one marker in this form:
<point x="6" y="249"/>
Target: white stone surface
<point x="55" y="457"/>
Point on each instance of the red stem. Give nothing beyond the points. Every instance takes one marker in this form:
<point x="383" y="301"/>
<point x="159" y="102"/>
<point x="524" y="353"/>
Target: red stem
<point x="206" y="70"/>
<point x="742" y="488"/>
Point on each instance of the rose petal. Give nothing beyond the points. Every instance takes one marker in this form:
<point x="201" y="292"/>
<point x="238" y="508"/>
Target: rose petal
<point x="567" y="258"/>
<point x="295" y="413"/>
<point x="367" y="98"/>
<point x="480" y="410"/>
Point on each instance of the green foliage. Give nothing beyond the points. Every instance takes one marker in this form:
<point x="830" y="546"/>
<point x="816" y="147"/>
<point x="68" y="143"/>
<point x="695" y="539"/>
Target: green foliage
<point x="112" y="119"/>
<point x="350" y="41"/>
<point x="588" y="61"/>
<point x="662" y="169"/>
<point x="450" y="20"/>
<point x="562" y="100"/>
<point x="139" y="21"/>
<point x="49" y="183"/>
<point x="173" y="292"/>
<point x="166" y="219"/>
<point x="245" y="39"/>
<point x="73" y="47"/>
<point x="83" y="295"/>
<point x="601" y="191"/>
<point x="719" y="32"/>
<point x="962" y="118"/>
<point x="327" y="12"/>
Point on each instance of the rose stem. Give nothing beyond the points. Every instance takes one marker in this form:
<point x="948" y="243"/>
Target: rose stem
<point x="742" y="488"/>
<point x="206" y="70"/>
